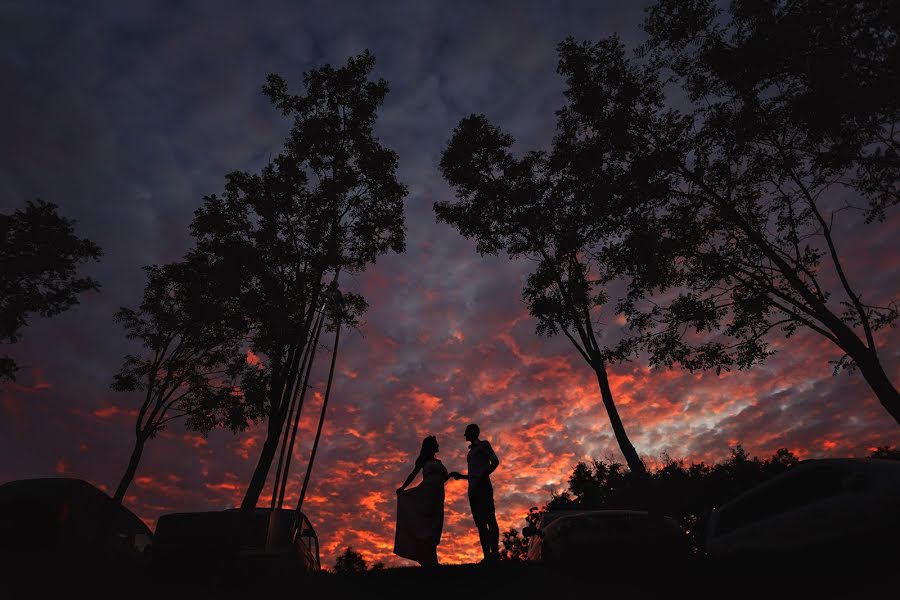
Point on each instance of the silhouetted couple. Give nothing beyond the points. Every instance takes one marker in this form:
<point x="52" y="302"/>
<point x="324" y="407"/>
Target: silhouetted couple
<point x="420" y="511"/>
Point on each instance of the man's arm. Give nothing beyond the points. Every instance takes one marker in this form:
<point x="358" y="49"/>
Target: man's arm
<point x="493" y="461"/>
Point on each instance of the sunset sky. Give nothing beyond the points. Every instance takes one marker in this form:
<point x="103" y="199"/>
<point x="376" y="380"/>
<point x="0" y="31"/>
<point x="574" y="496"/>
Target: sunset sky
<point x="126" y="114"/>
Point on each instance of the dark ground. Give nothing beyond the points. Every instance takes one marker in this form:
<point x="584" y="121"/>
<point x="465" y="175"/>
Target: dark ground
<point x="872" y="576"/>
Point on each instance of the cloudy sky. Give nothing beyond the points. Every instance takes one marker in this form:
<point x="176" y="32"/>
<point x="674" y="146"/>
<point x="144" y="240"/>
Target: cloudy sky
<point x="126" y="114"/>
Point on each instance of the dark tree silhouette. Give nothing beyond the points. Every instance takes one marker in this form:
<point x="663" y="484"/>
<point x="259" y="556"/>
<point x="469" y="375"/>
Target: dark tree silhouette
<point x="731" y="206"/>
<point x="349" y="562"/>
<point x="193" y="361"/>
<point x="329" y="203"/>
<point x="539" y="207"/>
<point x="39" y="258"/>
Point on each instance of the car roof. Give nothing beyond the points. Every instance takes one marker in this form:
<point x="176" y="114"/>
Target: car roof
<point x="610" y="512"/>
<point x="552" y="519"/>
<point x="552" y="515"/>
<point x="74" y="492"/>
<point x="885" y="470"/>
<point x="867" y="464"/>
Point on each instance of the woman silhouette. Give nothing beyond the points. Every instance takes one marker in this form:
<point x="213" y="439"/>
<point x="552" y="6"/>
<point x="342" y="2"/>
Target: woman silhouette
<point x="420" y="511"/>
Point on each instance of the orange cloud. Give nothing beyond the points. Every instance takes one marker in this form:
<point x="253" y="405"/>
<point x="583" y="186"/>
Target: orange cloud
<point x="106" y="412"/>
<point x="197" y="441"/>
<point x="424" y="400"/>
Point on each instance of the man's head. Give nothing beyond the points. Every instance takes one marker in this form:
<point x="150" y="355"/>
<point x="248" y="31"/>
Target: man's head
<point x="472" y="432"/>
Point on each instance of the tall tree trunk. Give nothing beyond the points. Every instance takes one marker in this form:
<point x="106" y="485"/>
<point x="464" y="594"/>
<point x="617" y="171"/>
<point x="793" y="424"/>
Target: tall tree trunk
<point x="280" y="394"/>
<point x="297" y="381"/>
<point x="261" y="472"/>
<point x="635" y="464"/>
<point x="304" y="386"/>
<point x="312" y="455"/>
<point x="128" y="477"/>
<point x="874" y="374"/>
<point x="284" y="395"/>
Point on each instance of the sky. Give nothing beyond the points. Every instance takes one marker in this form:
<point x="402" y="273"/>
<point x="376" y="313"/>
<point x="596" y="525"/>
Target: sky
<point x="127" y="114"/>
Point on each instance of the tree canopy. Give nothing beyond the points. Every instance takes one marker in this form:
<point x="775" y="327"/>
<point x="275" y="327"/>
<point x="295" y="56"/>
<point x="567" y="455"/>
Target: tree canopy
<point x="713" y="175"/>
<point x="39" y="260"/>
<point x="785" y="138"/>
<point x="193" y="361"/>
<point x="329" y="203"/>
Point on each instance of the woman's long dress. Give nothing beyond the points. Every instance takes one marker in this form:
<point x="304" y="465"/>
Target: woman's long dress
<point x="420" y="515"/>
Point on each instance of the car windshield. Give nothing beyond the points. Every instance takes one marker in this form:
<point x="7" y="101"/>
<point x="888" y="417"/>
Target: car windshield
<point x="797" y="488"/>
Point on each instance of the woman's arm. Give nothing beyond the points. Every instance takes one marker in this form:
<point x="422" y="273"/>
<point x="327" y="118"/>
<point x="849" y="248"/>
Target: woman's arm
<point x="457" y="475"/>
<point x="409" y="479"/>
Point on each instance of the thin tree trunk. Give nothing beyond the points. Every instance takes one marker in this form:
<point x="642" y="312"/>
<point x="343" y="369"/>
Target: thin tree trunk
<point x="128" y="477"/>
<point x="312" y="455"/>
<point x="258" y="480"/>
<point x="635" y="464"/>
<point x="874" y="374"/>
<point x="308" y="349"/>
<point x="276" y="420"/>
<point x="273" y="435"/>
<point x="293" y="426"/>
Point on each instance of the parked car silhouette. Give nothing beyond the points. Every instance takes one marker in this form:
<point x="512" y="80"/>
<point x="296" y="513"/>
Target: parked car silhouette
<point x="819" y="507"/>
<point x="68" y="523"/>
<point x="607" y="535"/>
<point x="235" y="542"/>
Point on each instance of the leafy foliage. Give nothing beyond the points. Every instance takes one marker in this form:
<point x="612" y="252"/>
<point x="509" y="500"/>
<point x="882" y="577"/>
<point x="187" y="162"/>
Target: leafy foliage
<point x="349" y="562"/>
<point x="329" y="203"/>
<point x="39" y="260"/>
<point x="712" y="175"/>
<point x="737" y="149"/>
<point x="539" y="207"/>
<point x="515" y="547"/>
<point x="193" y="361"/>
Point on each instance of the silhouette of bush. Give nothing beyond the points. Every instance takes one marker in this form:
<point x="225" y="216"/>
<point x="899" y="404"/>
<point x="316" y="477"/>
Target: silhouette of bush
<point x="514" y="546"/>
<point x="350" y="561"/>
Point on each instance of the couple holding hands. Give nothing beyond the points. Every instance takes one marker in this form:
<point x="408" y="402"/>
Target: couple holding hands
<point x="420" y="510"/>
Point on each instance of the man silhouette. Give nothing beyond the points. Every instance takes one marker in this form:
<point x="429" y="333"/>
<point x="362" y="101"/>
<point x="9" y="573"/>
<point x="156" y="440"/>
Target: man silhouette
<point x="482" y="462"/>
